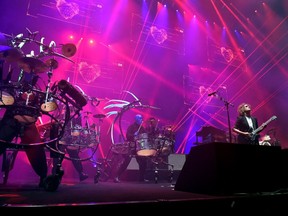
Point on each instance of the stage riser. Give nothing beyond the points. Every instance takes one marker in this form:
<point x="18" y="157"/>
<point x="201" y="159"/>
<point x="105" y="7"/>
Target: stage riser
<point x="221" y="168"/>
<point x="164" y="171"/>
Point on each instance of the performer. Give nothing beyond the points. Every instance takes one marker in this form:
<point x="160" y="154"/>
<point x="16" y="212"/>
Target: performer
<point x="132" y="132"/>
<point x="72" y="131"/>
<point x="152" y="129"/>
<point x="19" y="122"/>
<point x="245" y="125"/>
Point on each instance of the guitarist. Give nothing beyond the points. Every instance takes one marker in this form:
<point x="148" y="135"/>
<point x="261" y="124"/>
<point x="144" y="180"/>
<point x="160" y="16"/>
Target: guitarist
<point x="245" y="125"/>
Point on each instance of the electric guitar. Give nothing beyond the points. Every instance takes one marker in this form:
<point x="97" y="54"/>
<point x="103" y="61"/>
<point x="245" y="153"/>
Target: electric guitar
<point x="255" y="132"/>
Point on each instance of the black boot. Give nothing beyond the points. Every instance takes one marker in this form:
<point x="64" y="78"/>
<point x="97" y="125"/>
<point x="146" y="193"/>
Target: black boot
<point x="83" y="176"/>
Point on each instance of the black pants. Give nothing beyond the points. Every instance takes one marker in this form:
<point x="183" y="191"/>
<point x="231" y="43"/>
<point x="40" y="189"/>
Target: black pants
<point x="10" y="128"/>
<point x="142" y="162"/>
<point x="73" y="153"/>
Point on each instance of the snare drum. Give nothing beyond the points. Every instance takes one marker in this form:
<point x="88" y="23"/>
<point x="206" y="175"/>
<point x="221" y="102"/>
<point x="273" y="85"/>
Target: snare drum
<point x="76" y="130"/>
<point x="144" y="147"/>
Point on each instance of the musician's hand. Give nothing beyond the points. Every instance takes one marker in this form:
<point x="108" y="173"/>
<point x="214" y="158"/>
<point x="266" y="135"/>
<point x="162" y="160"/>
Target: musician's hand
<point x="247" y="134"/>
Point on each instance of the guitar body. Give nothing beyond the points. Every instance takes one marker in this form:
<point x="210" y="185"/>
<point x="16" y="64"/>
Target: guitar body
<point x="254" y="139"/>
<point x="255" y="134"/>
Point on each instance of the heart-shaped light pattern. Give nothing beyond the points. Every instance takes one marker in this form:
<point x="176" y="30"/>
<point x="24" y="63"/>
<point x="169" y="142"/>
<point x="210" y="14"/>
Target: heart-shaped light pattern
<point x="159" y="35"/>
<point x="67" y="10"/>
<point x="227" y="54"/>
<point x="89" y="72"/>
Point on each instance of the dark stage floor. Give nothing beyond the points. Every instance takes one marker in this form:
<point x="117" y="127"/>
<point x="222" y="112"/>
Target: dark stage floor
<point x="129" y="196"/>
<point x="258" y="188"/>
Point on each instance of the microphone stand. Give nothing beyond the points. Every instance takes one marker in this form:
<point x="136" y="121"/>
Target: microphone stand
<point x="227" y="103"/>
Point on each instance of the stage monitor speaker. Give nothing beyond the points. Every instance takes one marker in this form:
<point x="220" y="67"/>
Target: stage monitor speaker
<point x="225" y="168"/>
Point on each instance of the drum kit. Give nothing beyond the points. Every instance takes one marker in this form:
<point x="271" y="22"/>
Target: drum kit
<point x="24" y="96"/>
<point x="161" y="145"/>
<point x="147" y="146"/>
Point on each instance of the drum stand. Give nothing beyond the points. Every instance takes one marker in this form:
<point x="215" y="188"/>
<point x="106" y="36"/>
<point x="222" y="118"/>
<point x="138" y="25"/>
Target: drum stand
<point x="104" y="169"/>
<point x="99" y="165"/>
<point x="157" y="160"/>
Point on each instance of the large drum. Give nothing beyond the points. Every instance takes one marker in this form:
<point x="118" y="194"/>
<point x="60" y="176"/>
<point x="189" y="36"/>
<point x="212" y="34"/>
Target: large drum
<point x="144" y="147"/>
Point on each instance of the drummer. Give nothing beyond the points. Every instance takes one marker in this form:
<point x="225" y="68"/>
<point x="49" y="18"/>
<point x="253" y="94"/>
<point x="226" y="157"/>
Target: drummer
<point x="152" y="128"/>
<point x="132" y="132"/>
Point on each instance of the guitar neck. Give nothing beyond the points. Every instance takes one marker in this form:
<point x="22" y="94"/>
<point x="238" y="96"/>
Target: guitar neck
<point x="264" y="124"/>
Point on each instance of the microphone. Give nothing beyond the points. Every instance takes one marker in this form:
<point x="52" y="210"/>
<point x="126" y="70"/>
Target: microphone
<point x="212" y="93"/>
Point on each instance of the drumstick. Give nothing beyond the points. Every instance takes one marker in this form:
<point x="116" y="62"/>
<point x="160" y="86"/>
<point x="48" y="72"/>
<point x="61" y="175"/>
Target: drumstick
<point x="157" y="124"/>
<point x="138" y="128"/>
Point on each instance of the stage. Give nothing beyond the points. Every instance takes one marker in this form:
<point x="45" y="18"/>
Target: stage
<point x="130" y="196"/>
<point x="212" y="178"/>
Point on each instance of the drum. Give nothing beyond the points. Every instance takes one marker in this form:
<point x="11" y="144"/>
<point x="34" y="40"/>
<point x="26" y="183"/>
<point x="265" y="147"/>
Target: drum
<point x="6" y="98"/>
<point x="89" y="135"/>
<point x="76" y="130"/>
<point x="144" y="147"/>
<point x="49" y="106"/>
<point x="164" y="145"/>
<point x="26" y="107"/>
<point x="121" y="148"/>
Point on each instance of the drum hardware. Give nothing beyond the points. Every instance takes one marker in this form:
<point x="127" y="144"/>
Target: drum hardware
<point x="164" y="145"/>
<point x="28" y="97"/>
<point x="8" y="53"/>
<point x="68" y="50"/>
<point x="94" y="101"/>
<point x="49" y="103"/>
<point x="60" y="55"/>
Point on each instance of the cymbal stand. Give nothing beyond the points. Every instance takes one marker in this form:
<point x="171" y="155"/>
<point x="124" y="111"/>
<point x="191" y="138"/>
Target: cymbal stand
<point x="98" y="165"/>
<point x="157" y="160"/>
<point x="49" y="73"/>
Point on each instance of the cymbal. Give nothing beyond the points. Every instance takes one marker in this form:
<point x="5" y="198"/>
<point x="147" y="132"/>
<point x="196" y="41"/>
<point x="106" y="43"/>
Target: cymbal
<point x="30" y="64"/>
<point x="99" y="116"/>
<point x="51" y="63"/>
<point x="69" y="50"/>
<point x="10" y="54"/>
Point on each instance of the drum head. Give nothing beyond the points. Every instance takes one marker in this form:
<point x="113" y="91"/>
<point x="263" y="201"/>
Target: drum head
<point x="6" y="98"/>
<point x="144" y="147"/>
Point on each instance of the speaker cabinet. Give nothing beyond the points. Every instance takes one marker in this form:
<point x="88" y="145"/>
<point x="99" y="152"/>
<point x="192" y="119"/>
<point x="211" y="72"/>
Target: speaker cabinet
<point x="225" y="168"/>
